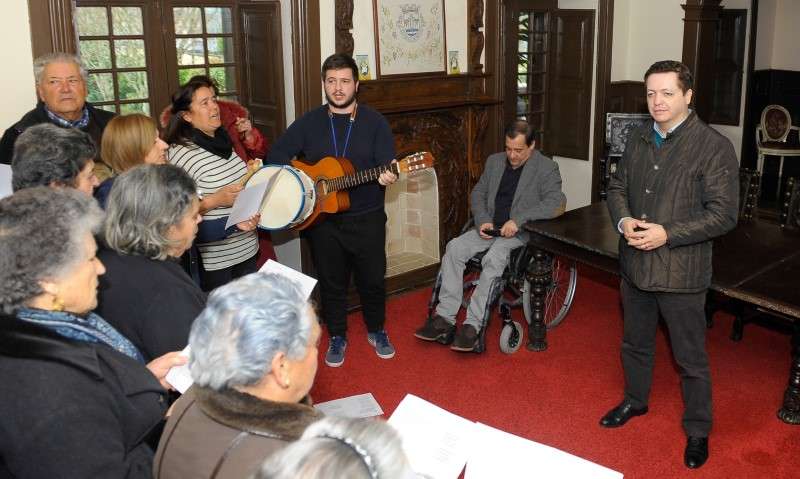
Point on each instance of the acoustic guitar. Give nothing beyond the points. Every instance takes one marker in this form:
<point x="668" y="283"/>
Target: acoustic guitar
<point x="333" y="176"/>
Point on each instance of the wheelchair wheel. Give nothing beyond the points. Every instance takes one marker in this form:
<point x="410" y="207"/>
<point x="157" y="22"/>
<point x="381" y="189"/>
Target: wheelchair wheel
<point x="559" y="295"/>
<point x="511" y="337"/>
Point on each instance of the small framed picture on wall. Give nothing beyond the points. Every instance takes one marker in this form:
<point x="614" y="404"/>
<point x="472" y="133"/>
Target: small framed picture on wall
<point x="410" y="37"/>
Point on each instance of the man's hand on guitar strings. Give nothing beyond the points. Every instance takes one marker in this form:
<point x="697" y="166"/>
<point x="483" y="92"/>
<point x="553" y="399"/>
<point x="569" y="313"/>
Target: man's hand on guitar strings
<point x="387" y="177"/>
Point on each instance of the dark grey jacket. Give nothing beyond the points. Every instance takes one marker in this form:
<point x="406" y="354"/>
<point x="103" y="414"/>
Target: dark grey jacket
<point x="538" y="195"/>
<point x="690" y="186"/>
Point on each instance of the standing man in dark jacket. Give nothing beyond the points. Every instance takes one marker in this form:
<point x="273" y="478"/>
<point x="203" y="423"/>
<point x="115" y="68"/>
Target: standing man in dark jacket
<point x="61" y="87"/>
<point x="674" y="191"/>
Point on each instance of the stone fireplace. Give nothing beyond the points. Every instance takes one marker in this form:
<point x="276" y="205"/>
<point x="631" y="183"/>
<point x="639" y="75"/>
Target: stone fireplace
<point x="412" y="228"/>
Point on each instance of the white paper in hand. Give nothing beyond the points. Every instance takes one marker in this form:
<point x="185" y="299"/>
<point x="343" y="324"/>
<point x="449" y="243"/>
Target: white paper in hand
<point x="179" y="376"/>
<point x="247" y="204"/>
<point x="306" y="282"/>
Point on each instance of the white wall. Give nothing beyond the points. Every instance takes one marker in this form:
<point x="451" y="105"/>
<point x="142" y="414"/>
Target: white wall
<point x="785" y="50"/>
<point x="19" y="93"/>
<point x="645" y="31"/>
<point x="766" y="34"/>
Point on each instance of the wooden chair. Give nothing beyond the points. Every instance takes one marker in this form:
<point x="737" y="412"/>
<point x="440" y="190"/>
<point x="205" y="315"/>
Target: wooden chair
<point x="773" y="137"/>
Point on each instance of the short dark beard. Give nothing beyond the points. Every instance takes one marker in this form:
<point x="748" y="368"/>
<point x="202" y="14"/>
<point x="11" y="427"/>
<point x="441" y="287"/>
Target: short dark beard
<point x="344" y="105"/>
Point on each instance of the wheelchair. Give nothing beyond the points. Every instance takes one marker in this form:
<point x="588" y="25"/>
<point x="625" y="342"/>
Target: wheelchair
<point x="512" y="290"/>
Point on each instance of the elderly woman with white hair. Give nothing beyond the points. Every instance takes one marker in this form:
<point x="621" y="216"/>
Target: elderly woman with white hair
<point x="333" y="448"/>
<point x="253" y="360"/>
<point x="77" y="400"/>
<point x="152" y="216"/>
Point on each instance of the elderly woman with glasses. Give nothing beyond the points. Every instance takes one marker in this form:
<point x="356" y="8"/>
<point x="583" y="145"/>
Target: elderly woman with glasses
<point x="78" y="399"/>
<point x="128" y="141"/>
<point x="253" y="360"/>
<point x="151" y="220"/>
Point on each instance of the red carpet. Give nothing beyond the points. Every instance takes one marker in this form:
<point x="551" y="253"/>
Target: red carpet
<point x="557" y="397"/>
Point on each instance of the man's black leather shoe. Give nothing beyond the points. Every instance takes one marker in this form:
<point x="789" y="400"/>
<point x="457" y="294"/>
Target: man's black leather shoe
<point x="696" y="452"/>
<point x="621" y="414"/>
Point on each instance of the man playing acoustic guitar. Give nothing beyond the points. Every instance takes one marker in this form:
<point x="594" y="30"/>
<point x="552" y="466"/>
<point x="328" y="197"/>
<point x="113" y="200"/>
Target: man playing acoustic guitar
<point x="352" y="240"/>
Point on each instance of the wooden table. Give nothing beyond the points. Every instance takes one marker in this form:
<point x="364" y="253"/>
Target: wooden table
<point x="758" y="263"/>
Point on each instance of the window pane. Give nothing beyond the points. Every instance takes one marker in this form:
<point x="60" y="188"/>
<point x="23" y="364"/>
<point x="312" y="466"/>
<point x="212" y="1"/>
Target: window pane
<point x="91" y="21"/>
<point x="127" y="20"/>
<point x="112" y="108"/>
<point x="218" y="20"/>
<point x="95" y="54"/>
<point x="225" y="77"/>
<point x="101" y="87"/>
<point x="522" y="62"/>
<point x="522" y="104"/>
<point x="132" y="85"/>
<point x="187" y="20"/>
<point x="185" y="73"/>
<point x="233" y="98"/>
<point x="220" y="50"/>
<point x="190" y="51"/>
<point x="126" y="108"/>
<point x="522" y="83"/>
<point x="130" y="53"/>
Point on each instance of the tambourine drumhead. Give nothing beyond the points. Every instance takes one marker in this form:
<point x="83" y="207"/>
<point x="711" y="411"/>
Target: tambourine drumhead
<point x="290" y="200"/>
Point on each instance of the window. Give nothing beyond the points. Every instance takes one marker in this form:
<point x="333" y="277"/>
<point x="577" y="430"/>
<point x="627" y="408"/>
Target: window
<point x="204" y="45"/>
<point x="548" y="74"/>
<point x="125" y="60"/>
<point x="112" y="44"/>
<point x="532" y="68"/>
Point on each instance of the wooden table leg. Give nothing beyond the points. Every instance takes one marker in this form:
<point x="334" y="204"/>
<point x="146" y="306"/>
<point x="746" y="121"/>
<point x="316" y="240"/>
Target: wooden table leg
<point x="540" y="276"/>
<point x="790" y="411"/>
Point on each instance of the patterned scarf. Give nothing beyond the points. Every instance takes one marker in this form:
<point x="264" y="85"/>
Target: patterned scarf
<point x="79" y="123"/>
<point x="91" y="329"/>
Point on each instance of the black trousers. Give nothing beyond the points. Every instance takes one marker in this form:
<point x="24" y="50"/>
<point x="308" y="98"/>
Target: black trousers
<point x="341" y="245"/>
<point x="684" y="315"/>
<point x="210" y="280"/>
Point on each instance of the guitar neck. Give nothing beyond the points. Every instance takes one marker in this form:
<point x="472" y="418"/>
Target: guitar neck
<point x="360" y="177"/>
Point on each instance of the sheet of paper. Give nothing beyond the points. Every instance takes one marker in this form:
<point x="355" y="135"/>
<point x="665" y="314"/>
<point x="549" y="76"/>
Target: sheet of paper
<point x="436" y="442"/>
<point x="179" y="376"/>
<point x="247" y="204"/>
<point x="5" y="181"/>
<point x="361" y="405"/>
<point x="500" y="454"/>
<point x="306" y="282"/>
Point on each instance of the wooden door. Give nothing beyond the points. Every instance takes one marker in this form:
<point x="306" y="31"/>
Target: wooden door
<point x="261" y="63"/>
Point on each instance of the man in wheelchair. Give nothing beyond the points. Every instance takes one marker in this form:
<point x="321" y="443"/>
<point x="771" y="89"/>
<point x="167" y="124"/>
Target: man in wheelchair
<point x="517" y="186"/>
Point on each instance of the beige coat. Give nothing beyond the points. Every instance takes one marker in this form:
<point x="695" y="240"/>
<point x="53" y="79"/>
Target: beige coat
<point x="226" y="434"/>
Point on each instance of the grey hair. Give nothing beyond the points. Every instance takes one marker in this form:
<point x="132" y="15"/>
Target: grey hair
<point x="340" y="447"/>
<point x="40" y="63"/>
<point x="143" y="204"/>
<point x="47" y="154"/>
<point x="244" y="325"/>
<point x="42" y="231"/>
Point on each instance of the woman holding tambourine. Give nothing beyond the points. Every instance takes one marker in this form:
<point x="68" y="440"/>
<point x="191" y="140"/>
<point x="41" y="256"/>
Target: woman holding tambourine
<point x="201" y="146"/>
